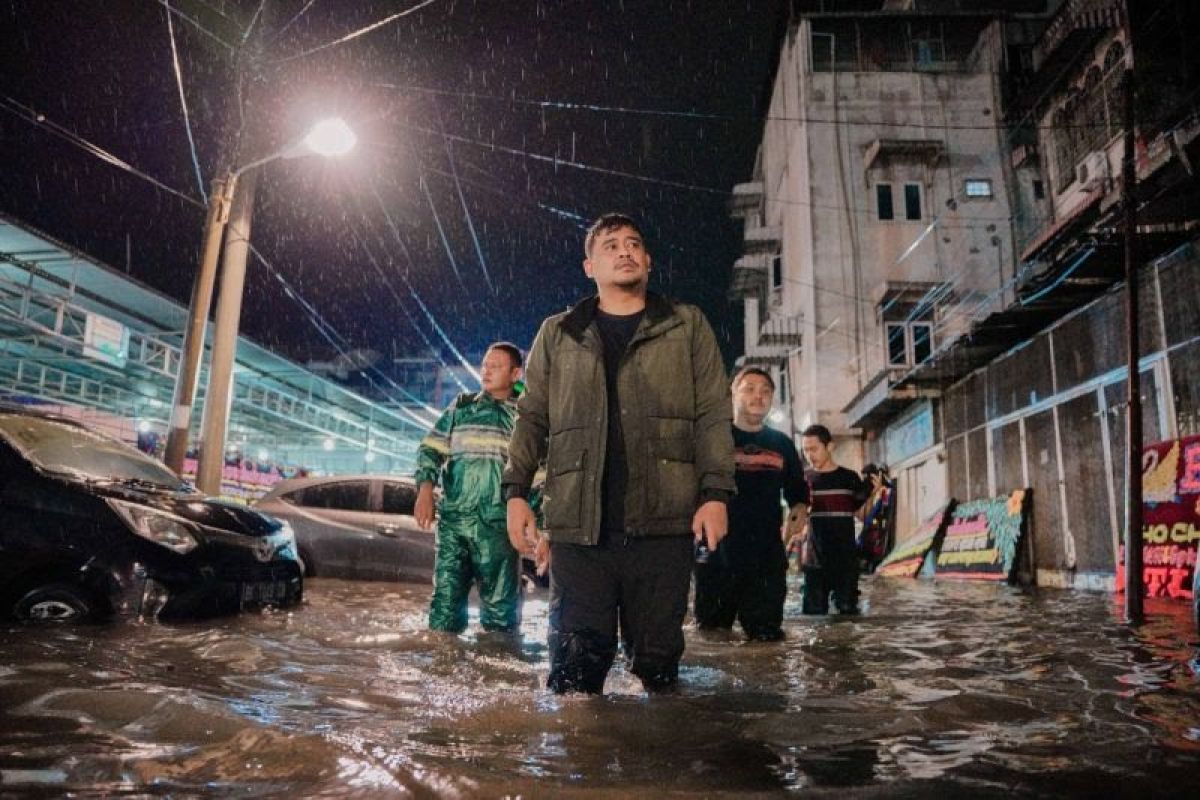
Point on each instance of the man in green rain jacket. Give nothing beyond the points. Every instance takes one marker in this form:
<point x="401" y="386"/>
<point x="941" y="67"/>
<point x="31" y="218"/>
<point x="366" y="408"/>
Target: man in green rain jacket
<point x="465" y="452"/>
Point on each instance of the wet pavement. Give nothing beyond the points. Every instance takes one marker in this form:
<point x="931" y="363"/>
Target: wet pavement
<point x="938" y="689"/>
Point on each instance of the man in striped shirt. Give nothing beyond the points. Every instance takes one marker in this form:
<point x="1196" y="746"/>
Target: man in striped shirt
<point x="837" y="496"/>
<point x="465" y="452"/>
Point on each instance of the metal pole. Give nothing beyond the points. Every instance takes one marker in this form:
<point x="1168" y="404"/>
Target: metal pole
<point x="193" y="335"/>
<point x="219" y="394"/>
<point x="1133" y="408"/>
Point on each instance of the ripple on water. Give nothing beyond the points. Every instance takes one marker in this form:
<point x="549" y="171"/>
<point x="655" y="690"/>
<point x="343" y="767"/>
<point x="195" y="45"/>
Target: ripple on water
<point x="938" y="689"/>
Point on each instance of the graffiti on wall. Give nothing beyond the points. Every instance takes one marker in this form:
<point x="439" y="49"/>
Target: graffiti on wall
<point x="984" y="537"/>
<point x="1170" y="518"/>
<point x="906" y="558"/>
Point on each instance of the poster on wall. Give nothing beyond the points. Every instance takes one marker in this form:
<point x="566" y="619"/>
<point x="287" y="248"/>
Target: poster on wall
<point x="1170" y="518"/>
<point x="906" y="558"/>
<point x="984" y="537"/>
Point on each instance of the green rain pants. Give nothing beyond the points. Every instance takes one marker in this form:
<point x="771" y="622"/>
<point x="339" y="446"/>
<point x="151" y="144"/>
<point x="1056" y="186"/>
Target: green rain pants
<point x="473" y="551"/>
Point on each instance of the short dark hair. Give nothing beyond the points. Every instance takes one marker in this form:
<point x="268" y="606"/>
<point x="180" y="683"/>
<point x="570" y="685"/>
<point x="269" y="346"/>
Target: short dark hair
<point x="744" y="371"/>
<point x="819" y="431"/>
<point x="605" y="223"/>
<point x="514" y="352"/>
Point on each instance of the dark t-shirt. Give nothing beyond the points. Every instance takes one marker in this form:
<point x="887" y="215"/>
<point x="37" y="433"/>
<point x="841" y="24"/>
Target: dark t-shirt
<point x="615" y="333"/>
<point x="836" y="496"/>
<point x="767" y="465"/>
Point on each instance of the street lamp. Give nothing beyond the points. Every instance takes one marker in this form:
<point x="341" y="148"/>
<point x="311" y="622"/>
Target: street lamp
<point x="232" y="198"/>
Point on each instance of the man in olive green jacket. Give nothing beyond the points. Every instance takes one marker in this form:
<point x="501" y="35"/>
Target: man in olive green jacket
<point x="626" y="401"/>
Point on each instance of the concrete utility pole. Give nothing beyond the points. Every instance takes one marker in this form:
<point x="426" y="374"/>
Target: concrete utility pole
<point x="1133" y="408"/>
<point x="219" y="394"/>
<point x="193" y="336"/>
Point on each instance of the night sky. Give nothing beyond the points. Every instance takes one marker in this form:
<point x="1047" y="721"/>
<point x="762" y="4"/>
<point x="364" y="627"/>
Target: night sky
<point x="668" y="92"/>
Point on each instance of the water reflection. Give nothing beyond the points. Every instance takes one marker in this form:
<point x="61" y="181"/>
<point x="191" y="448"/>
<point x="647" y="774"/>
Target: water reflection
<point x="936" y="689"/>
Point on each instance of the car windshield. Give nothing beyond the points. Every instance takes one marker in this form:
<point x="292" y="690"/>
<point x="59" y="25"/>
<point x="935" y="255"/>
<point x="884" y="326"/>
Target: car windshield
<point x="60" y="447"/>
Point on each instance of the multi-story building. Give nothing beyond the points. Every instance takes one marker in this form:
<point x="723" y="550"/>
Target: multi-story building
<point x="935" y="253"/>
<point x="879" y="201"/>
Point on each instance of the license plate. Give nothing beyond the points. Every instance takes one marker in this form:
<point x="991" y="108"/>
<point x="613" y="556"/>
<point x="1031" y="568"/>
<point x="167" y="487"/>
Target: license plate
<point x="267" y="592"/>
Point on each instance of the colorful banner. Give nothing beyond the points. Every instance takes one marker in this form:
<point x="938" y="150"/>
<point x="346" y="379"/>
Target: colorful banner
<point x="983" y="538"/>
<point x="906" y="557"/>
<point x="1170" y="518"/>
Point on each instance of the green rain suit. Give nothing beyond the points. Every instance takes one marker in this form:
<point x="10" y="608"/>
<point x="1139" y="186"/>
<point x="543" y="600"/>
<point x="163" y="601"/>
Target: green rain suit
<point x="465" y="452"/>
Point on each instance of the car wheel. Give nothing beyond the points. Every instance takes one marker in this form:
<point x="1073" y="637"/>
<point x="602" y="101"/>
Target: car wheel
<point x="55" y="602"/>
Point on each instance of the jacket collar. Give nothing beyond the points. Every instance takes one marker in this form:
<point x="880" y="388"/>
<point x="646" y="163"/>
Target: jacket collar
<point x="658" y="309"/>
<point x="482" y="396"/>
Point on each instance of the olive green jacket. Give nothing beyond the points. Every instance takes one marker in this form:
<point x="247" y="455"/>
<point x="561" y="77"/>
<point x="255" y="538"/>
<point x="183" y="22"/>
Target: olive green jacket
<point x="676" y="417"/>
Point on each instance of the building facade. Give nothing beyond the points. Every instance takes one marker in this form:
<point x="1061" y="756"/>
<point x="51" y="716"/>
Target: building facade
<point x="934" y="253"/>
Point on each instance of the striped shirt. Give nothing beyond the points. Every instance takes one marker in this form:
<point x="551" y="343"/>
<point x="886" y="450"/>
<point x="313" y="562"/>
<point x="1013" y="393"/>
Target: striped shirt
<point x="835" y="497"/>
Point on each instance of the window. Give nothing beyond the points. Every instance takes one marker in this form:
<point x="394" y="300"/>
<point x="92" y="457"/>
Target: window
<point x="343" y="496"/>
<point x="398" y="498"/>
<point x="776" y="272"/>
<point x="908" y="343"/>
<point x="978" y="188"/>
<point x="897" y="344"/>
<point x="883" y="201"/>
<point x="1039" y="190"/>
<point x="912" y="201"/>
<point x="922" y="342"/>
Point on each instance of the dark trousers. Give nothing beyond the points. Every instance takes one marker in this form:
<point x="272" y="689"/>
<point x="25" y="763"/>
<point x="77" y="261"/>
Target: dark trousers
<point x="747" y="587"/>
<point x="836" y="577"/>
<point x="637" y="585"/>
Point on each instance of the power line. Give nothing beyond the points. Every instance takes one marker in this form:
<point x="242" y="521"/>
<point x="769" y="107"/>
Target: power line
<point x="28" y="114"/>
<point x="187" y="120"/>
<point x="560" y="162"/>
<point x="415" y="296"/>
<point x="560" y="105"/>
<point x="196" y="24"/>
<point x="360" y="32"/>
<point x="292" y="21"/>
<point x="466" y="211"/>
<point x="361" y="241"/>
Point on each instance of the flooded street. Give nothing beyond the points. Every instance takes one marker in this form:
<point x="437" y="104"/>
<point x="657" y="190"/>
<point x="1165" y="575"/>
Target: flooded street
<point x="940" y="688"/>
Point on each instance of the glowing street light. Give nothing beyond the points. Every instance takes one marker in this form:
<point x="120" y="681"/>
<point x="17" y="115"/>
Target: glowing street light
<point x="329" y="137"/>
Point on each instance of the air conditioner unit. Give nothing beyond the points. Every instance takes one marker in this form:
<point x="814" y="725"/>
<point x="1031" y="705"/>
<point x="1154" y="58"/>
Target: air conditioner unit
<point x="1093" y="167"/>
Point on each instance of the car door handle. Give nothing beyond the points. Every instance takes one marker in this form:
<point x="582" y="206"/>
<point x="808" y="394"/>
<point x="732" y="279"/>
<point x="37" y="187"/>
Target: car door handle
<point x="386" y="529"/>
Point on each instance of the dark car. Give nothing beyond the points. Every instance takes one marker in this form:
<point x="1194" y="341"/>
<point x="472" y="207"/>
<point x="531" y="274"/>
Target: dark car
<point x="355" y="526"/>
<point x="91" y="528"/>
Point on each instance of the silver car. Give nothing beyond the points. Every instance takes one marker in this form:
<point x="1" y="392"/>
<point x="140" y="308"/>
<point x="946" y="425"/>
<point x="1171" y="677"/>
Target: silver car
<point x="355" y="526"/>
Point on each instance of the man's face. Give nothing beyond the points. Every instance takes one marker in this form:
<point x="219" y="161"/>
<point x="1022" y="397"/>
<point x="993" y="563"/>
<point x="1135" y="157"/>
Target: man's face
<point x="497" y="373"/>
<point x="816" y="452"/>
<point x="619" y="259"/>
<point x="752" y="397"/>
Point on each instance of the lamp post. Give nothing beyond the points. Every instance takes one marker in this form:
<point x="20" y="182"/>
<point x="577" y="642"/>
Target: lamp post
<point x="231" y="210"/>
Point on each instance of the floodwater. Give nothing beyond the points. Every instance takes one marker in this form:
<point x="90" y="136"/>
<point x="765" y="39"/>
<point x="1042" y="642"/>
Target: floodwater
<point x="938" y="689"/>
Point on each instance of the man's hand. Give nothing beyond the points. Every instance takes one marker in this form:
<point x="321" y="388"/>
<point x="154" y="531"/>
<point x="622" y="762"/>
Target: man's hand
<point x="423" y="510"/>
<point x="522" y="526"/>
<point x="710" y="523"/>
<point x="541" y="556"/>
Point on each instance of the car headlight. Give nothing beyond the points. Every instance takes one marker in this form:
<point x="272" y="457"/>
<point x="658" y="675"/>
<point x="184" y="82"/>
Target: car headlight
<point x="172" y="532"/>
<point x="286" y="541"/>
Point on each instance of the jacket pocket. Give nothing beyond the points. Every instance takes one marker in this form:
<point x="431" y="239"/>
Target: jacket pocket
<point x="563" y="499"/>
<point x="673" y="486"/>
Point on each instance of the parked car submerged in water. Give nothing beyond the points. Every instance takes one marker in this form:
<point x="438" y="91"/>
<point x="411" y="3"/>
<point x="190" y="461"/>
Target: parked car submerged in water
<point x="91" y="528"/>
<point x="355" y="526"/>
